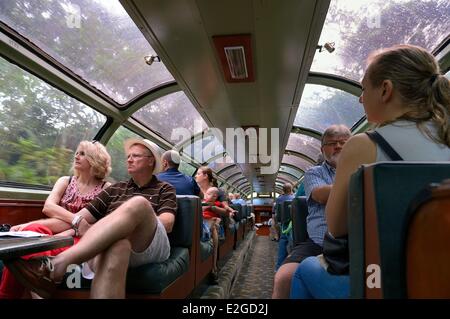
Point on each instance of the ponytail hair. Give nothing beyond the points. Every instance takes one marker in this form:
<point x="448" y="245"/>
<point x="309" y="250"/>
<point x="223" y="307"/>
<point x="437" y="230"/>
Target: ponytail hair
<point x="208" y="171"/>
<point x="416" y="76"/>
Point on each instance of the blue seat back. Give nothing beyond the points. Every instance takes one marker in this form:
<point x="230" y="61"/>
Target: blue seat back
<point x="182" y="232"/>
<point x="299" y="212"/>
<point x="384" y="190"/>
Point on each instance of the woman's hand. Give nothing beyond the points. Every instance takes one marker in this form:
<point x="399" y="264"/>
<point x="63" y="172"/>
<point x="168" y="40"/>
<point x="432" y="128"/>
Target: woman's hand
<point x="19" y="227"/>
<point x="69" y="232"/>
<point x="83" y="227"/>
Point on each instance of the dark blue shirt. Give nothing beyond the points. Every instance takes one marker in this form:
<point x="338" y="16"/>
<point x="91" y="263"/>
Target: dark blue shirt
<point x="184" y="185"/>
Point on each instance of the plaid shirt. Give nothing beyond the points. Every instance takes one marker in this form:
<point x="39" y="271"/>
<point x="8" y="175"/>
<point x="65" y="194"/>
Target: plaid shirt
<point x="316" y="223"/>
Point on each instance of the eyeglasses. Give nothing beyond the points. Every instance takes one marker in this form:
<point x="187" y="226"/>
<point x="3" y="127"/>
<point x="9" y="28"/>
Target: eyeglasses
<point x="137" y="156"/>
<point x="335" y="143"/>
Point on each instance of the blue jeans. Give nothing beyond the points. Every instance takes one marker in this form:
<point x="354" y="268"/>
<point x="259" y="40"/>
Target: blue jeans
<point x="282" y="250"/>
<point x="311" y="280"/>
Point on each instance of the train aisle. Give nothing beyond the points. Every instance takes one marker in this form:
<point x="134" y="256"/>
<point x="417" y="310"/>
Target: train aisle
<point x="255" y="280"/>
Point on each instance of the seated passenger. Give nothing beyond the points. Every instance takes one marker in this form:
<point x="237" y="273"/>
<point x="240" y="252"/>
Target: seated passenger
<point x="318" y="181"/>
<point x="403" y="92"/>
<point x="238" y="200"/>
<point x="184" y="185"/>
<point x="212" y="218"/>
<point x="284" y="237"/>
<point x="125" y="225"/>
<point x="209" y="201"/>
<point x="205" y="181"/>
<point x="273" y="234"/>
<point x="69" y="195"/>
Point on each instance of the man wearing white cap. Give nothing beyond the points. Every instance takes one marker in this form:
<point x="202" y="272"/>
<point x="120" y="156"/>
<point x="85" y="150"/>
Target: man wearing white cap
<point x="125" y="226"/>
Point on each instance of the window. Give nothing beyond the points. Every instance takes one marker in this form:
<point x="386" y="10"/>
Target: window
<point x="96" y="40"/>
<point x="186" y="168"/>
<point x="360" y="27"/>
<point x="323" y="106"/>
<point x="221" y="163"/>
<point x="304" y="144"/>
<point x="117" y="152"/>
<point x="171" y="112"/>
<point x="40" y="128"/>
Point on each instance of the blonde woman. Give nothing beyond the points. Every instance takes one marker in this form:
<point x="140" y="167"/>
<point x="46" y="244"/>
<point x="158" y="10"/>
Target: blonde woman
<point x="91" y="165"/>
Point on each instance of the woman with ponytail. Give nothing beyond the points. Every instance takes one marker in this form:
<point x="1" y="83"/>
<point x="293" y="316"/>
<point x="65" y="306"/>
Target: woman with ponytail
<point x="406" y="95"/>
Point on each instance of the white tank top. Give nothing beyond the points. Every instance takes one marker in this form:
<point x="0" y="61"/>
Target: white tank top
<point x="411" y="144"/>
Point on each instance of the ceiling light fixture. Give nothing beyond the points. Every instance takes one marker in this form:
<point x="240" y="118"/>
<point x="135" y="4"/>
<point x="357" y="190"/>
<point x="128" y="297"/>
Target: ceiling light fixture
<point x="149" y="59"/>
<point x="329" y="46"/>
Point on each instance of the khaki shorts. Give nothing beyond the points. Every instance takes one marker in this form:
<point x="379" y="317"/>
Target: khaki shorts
<point x="158" y="251"/>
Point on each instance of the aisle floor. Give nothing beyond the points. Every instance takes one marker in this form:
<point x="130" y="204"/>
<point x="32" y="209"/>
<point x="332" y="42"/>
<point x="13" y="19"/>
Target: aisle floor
<point x="255" y="280"/>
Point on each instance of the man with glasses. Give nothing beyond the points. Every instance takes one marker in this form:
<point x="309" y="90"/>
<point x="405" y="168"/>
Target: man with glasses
<point x="125" y="226"/>
<point x="318" y="181"/>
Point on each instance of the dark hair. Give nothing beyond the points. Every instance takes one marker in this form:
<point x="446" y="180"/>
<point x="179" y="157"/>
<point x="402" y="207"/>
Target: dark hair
<point x="206" y="170"/>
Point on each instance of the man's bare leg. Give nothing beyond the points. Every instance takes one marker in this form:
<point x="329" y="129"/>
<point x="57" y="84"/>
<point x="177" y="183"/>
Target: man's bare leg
<point x="110" y="271"/>
<point x="134" y="219"/>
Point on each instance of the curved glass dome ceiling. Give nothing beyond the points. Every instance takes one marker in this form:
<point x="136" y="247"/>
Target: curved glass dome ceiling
<point x="296" y="161"/>
<point x="203" y="149"/>
<point x="169" y="113"/>
<point x="283" y="178"/>
<point x="221" y="163"/>
<point x="290" y="170"/>
<point x="304" y="144"/>
<point x="229" y="172"/>
<point x="360" y="27"/>
<point x="322" y="106"/>
<point x="96" y="40"/>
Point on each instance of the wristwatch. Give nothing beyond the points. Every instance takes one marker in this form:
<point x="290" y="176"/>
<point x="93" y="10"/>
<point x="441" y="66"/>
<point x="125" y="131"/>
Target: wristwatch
<point x="75" y="223"/>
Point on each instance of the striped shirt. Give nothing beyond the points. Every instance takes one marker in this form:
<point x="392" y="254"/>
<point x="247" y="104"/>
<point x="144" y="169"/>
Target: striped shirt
<point x="161" y="195"/>
<point x="316" y="223"/>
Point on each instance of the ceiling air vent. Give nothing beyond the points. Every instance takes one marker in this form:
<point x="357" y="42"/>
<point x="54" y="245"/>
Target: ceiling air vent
<point x="235" y="55"/>
<point x="236" y="62"/>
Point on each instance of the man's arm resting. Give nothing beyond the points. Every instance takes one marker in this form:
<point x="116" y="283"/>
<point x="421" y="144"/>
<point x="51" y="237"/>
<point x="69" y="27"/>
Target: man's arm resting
<point x="54" y="224"/>
<point x="87" y="215"/>
<point x="167" y="219"/>
<point x="320" y="194"/>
